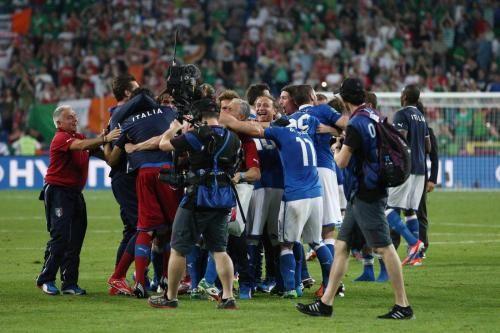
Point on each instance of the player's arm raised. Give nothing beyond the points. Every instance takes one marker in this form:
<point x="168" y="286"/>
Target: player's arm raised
<point x="325" y="129"/>
<point x="249" y="128"/>
<point x="94" y="143"/>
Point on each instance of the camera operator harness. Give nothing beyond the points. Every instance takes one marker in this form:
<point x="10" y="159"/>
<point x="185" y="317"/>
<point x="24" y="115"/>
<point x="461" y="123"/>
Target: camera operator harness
<point x="212" y="164"/>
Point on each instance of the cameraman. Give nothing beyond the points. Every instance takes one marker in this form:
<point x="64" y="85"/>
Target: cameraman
<point x="212" y="156"/>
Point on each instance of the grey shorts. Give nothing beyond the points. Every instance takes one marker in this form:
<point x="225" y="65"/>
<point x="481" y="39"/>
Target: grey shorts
<point x="371" y="220"/>
<point x="190" y="224"/>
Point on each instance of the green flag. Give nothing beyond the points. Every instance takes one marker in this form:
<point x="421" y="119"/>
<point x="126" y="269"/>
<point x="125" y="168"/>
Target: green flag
<point x="40" y="119"/>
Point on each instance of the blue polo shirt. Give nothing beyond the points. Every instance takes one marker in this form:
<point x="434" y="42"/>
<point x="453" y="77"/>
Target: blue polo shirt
<point x="142" y="126"/>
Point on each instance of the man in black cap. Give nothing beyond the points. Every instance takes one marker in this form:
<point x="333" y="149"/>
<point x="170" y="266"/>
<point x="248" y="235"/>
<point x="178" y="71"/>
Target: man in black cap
<point x="366" y="203"/>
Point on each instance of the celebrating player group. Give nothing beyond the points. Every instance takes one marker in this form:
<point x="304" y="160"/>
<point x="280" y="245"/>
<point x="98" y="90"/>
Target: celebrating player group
<point x="215" y="189"/>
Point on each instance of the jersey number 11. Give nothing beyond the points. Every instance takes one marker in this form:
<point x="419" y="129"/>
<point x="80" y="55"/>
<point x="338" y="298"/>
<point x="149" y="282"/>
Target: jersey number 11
<point x="305" y="154"/>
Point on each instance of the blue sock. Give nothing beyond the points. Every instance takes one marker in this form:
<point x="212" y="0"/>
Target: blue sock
<point x="298" y="253"/>
<point x="287" y="268"/>
<point x="412" y="224"/>
<point x="368" y="273"/>
<point x="325" y="260"/>
<point x="211" y="271"/>
<point x="157" y="260"/>
<point x="252" y="250"/>
<point x="397" y="224"/>
<point x="330" y="244"/>
<point x="193" y="260"/>
<point x="279" y="279"/>
<point x="382" y="276"/>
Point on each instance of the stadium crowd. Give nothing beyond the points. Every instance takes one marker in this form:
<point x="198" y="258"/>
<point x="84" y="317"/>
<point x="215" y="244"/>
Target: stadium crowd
<point x="74" y="48"/>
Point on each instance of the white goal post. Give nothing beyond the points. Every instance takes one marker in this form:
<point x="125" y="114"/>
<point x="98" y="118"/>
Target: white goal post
<point x="467" y="128"/>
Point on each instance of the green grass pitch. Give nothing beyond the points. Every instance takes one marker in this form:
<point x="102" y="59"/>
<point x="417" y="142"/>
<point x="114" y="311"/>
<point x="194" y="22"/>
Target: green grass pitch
<point x="457" y="289"/>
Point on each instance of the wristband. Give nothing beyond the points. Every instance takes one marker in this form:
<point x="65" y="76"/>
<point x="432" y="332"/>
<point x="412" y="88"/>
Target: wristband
<point x="242" y="176"/>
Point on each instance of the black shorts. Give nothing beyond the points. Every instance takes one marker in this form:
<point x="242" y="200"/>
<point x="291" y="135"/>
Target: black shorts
<point x="190" y="224"/>
<point x="371" y="220"/>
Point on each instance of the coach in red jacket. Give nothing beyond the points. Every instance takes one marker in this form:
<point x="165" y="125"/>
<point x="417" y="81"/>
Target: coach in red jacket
<point x="64" y="204"/>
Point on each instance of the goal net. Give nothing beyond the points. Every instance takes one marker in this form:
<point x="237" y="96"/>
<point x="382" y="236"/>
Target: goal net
<point x="467" y="129"/>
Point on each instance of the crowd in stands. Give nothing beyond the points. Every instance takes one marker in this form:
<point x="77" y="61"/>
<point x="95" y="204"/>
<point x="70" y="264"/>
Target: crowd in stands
<point x="74" y="48"/>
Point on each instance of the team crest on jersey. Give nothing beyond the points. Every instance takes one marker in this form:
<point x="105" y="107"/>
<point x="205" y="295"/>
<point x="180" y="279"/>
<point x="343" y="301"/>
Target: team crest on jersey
<point x="59" y="212"/>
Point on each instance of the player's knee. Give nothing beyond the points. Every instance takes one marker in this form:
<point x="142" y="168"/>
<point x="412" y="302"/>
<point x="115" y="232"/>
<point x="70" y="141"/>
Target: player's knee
<point x="384" y="250"/>
<point x="409" y="212"/>
<point x="388" y="211"/>
<point x="176" y="253"/>
<point x="341" y="247"/>
<point x="327" y="231"/>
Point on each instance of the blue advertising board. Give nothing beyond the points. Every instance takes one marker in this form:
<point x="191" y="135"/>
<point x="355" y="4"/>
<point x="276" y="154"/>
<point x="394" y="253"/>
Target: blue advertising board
<point x="454" y="172"/>
<point x="27" y="173"/>
<point x="469" y="172"/>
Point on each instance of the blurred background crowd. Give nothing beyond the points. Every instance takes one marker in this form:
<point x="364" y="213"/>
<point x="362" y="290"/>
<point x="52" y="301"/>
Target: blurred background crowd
<point x="73" y="49"/>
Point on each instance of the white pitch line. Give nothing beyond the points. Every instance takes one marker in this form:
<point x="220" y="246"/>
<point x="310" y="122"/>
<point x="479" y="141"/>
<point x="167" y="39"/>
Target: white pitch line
<point x="43" y="248"/>
<point x="113" y="248"/>
<point x="42" y="217"/>
<point x="35" y="196"/>
<point x="117" y="216"/>
<point x="466" y="242"/>
<point x="465" y="234"/>
<point x="104" y="231"/>
<point x="7" y="231"/>
<point x="472" y="225"/>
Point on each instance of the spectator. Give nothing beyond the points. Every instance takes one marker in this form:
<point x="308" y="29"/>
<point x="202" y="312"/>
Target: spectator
<point x="73" y="53"/>
<point x="26" y="145"/>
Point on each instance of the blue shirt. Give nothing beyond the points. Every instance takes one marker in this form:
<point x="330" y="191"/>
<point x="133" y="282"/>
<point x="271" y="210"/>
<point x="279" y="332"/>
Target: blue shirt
<point x="340" y="175"/>
<point x="328" y="116"/>
<point x="361" y="176"/>
<point x="412" y="120"/>
<point x="298" y="158"/>
<point x="271" y="171"/>
<point x="120" y="168"/>
<point x="142" y="126"/>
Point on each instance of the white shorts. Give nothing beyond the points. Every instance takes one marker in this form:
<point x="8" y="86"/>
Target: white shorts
<point x="264" y="209"/>
<point x="237" y="227"/>
<point x="342" y="198"/>
<point x="407" y="195"/>
<point x="300" y="218"/>
<point x="331" y="203"/>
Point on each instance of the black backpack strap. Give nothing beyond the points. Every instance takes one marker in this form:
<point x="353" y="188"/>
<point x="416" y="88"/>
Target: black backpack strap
<point x="233" y="187"/>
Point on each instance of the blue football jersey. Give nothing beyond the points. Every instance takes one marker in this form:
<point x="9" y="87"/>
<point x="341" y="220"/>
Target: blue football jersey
<point x="328" y="116"/>
<point x="304" y="123"/>
<point x="298" y="158"/>
<point x="271" y="171"/>
<point x="412" y="120"/>
<point x="142" y="126"/>
<point x="340" y="175"/>
<point x="121" y="167"/>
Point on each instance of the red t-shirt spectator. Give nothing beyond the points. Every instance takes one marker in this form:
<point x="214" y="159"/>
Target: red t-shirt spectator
<point x="66" y="75"/>
<point x="67" y="167"/>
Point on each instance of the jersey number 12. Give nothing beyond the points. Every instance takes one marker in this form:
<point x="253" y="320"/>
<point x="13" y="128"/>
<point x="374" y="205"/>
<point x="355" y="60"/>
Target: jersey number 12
<point x="305" y="154"/>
